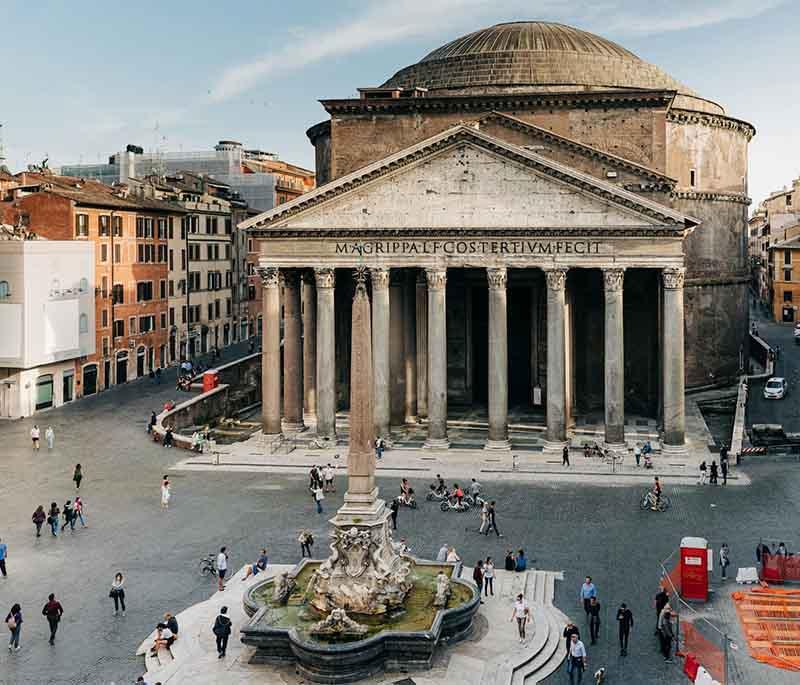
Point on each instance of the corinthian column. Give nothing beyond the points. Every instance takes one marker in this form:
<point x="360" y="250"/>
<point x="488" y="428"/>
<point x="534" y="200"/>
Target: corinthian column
<point x="309" y="345"/>
<point x="326" y="355"/>
<point x="556" y="373"/>
<point x="498" y="360"/>
<point x="292" y="353"/>
<point x="380" y="351"/>
<point x="410" y="346"/>
<point x="613" y="280"/>
<point x="437" y="359"/>
<point x="673" y="365"/>
<point x="422" y="345"/>
<point x="271" y="351"/>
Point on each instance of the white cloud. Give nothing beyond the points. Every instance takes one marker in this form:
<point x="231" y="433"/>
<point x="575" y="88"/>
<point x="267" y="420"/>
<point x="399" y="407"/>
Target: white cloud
<point x="382" y="23"/>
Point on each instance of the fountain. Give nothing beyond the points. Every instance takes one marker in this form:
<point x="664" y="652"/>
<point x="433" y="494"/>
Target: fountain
<point x="369" y="606"/>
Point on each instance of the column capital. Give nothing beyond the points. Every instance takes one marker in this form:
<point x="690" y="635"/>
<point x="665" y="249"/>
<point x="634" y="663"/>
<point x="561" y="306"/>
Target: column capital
<point x="497" y="277"/>
<point x="326" y="278"/>
<point x="291" y="278"/>
<point x="270" y="276"/>
<point x="556" y="278"/>
<point x="380" y="277"/>
<point x="613" y="278"/>
<point x="672" y="277"/>
<point x="437" y="278"/>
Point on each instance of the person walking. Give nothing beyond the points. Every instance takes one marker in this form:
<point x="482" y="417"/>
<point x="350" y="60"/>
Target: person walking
<point x="570" y="630"/>
<point x="52" y="611"/>
<point x="724" y="560"/>
<point x="452" y="556"/>
<point x="565" y="456"/>
<point x="637" y="453"/>
<point x="319" y="495"/>
<point x="79" y="511"/>
<point x="117" y="593"/>
<point x="441" y="555"/>
<point x="151" y="424"/>
<point x="306" y="541"/>
<point x="522" y="614"/>
<point x="394" y="507"/>
<point x="723" y="466"/>
<point x="14" y="625"/>
<point x="703" y="473"/>
<point x="330" y="481"/>
<point x="484" y="518"/>
<point x="714" y="473"/>
<point x="624" y="623"/>
<point x="492" y="515"/>
<point x="50" y="436"/>
<point x="38" y="518"/>
<point x="52" y="518"/>
<point x="510" y="562"/>
<point x="69" y="516"/>
<point x="594" y="619"/>
<point x="3" y="556"/>
<point x="77" y="476"/>
<point x="35" y="437"/>
<point x="222" y="567"/>
<point x="577" y="660"/>
<point x="166" y="493"/>
<point x="222" y="631"/>
<point x="666" y="632"/>
<point x="588" y="590"/>
<point x="488" y="577"/>
<point x="477" y="576"/>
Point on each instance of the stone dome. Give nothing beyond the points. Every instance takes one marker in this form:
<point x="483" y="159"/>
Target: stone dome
<point x="531" y="56"/>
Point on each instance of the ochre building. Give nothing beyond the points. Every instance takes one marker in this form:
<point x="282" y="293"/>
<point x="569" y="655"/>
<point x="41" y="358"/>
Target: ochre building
<point x="550" y="224"/>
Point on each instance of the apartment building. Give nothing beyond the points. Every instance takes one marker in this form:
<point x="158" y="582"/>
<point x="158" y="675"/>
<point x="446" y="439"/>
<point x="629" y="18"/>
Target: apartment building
<point x="130" y="236"/>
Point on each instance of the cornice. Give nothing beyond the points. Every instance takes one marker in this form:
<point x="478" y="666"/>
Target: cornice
<point x="577" y="232"/>
<point x="685" y="116"/>
<point x="739" y="198"/>
<point x="606" y="99"/>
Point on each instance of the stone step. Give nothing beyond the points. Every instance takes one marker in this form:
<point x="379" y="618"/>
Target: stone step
<point x="550" y="657"/>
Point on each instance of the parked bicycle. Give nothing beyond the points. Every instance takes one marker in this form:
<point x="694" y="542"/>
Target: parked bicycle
<point x="649" y="501"/>
<point x="208" y="565"/>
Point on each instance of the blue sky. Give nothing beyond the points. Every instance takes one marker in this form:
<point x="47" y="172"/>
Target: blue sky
<point x="81" y="80"/>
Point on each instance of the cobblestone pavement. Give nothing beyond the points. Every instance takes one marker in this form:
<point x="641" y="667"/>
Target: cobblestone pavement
<point x="575" y="527"/>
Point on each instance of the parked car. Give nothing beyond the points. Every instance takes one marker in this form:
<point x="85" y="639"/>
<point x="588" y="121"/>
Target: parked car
<point x="775" y="389"/>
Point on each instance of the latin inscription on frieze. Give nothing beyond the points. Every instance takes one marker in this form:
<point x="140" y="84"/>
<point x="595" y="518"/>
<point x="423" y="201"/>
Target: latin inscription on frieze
<point x="475" y="248"/>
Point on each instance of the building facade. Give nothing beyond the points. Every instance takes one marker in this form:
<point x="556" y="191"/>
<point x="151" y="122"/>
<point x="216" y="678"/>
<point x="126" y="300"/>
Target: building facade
<point x="47" y="317"/>
<point x="559" y="229"/>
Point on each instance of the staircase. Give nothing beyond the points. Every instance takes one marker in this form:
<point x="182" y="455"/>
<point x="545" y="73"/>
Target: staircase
<point x="512" y="663"/>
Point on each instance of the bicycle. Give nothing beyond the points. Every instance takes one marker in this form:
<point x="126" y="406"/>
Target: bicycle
<point x="649" y="501"/>
<point x="611" y="457"/>
<point x="208" y="565"/>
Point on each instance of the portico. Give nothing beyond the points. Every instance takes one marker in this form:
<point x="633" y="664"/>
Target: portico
<point x="496" y="277"/>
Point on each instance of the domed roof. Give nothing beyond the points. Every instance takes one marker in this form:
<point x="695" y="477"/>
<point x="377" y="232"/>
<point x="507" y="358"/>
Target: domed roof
<point x="530" y="56"/>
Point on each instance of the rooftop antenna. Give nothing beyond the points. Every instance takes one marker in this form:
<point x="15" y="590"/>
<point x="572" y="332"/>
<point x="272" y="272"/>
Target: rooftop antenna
<point x="159" y="168"/>
<point x="2" y="147"/>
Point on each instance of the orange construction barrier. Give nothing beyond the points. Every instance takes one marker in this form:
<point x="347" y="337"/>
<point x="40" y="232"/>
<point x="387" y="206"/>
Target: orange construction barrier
<point x="770" y="619"/>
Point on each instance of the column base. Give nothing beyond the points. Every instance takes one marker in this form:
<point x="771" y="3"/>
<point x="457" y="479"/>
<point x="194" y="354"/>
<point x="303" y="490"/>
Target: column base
<point x="615" y="446"/>
<point x="436" y="444"/>
<point x="554" y="447"/>
<point x="324" y="442"/>
<point x="293" y="427"/>
<point x="411" y="420"/>
<point x="675" y="450"/>
<point x="498" y="445"/>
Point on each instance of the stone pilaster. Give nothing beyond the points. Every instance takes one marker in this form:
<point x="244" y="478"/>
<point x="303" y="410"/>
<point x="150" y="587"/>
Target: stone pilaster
<point x="380" y="351"/>
<point x="673" y="360"/>
<point x="271" y="350"/>
<point x="292" y="353"/>
<point x="437" y="359"/>
<point x="498" y="360"/>
<point x="556" y="360"/>
<point x="326" y="355"/>
<point x="613" y="281"/>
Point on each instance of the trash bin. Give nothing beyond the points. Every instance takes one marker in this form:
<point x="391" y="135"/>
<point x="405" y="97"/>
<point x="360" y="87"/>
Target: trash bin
<point x="210" y="380"/>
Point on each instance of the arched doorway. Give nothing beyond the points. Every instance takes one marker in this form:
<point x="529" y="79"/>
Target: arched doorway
<point x="44" y="391"/>
<point x="89" y="379"/>
<point x="122" y="368"/>
<point x="140" y="361"/>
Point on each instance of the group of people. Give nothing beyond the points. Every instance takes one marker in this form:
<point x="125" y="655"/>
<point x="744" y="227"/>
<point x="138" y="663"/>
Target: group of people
<point x="72" y="512"/>
<point x="710" y="474"/>
<point x="49" y="436"/>
<point x="516" y="561"/>
<point x="52" y="611"/>
<point x="320" y="481"/>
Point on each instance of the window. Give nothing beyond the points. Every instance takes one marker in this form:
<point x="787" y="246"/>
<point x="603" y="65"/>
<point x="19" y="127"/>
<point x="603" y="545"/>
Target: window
<point x="216" y="309"/>
<point x="788" y="200"/>
<point x="103" y="252"/>
<point x="144" y="291"/>
<point x="119" y="328"/>
<point x="163" y="319"/>
<point x="104" y="318"/>
<point x="162" y="254"/>
<point x="162" y="229"/>
<point x="82" y="224"/>
<point x="5" y="289"/>
<point x="171" y="260"/>
<point x="194" y="223"/>
<point x="228" y="307"/>
<point x="692" y="178"/>
<point x="117" y="254"/>
<point x="172" y="316"/>
<point x="183" y="260"/>
<point x="140" y="227"/>
<point x="183" y="314"/>
<point x="787" y="295"/>
<point x="787" y="274"/>
<point x="171" y="227"/>
<point x="105" y="345"/>
<point x="147" y="323"/>
<point x="104" y="286"/>
<point x="194" y="280"/>
<point x="117" y="223"/>
<point x="162" y="289"/>
<point x="117" y="294"/>
<point x="228" y="279"/>
<point x="194" y="252"/>
<point x="227" y="252"/>
<point x="83" y="323"/>
<point x="171" y="288"/>
<point x="184" y="226"/>
<point x="211" y="224"/>
<point x="787" y="257"/>
<point x="228" y="226"/>
<point x="210" y="251"/>
<point x="210" y="311"/>
<point x="103" y="226"/>
<point x="131" y="325"/>
<point x="44" y="391"/>
<point x="83" y="285"/>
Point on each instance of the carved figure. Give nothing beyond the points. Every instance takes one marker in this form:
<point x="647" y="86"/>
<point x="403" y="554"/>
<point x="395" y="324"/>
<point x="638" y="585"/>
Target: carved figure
<point x="338" y="623"/>
<point x="443" y="590"/>
<point x="282" y="588"/>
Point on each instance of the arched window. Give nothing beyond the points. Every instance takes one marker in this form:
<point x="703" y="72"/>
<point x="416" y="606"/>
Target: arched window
<point x="83" y="286"/>
<point x="83" y="323"/>
<point x="5" y="289"/>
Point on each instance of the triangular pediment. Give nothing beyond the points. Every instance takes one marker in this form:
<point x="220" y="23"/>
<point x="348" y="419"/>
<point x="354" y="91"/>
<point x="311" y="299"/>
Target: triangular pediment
<point x="466" y="179"/>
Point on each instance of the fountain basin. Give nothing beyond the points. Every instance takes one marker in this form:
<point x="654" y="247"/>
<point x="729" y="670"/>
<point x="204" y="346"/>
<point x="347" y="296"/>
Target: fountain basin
<point x="402" y="641"/>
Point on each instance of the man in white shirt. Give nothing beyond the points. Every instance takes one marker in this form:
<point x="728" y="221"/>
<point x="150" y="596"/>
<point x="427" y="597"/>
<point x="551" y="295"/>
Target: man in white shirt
<point x="35" y="436"/>
<point x="222" y="567"/>
<point x="522" y="614"/>
<point x="577" y="660"/>
<point x="328" y="476"/>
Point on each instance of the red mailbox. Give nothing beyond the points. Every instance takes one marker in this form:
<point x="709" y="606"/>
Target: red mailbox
<point x="694" y="569"/>
<point x="210" y="380"/>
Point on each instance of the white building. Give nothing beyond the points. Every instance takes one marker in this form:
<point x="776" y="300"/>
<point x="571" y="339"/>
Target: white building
<point x="47" y="319"/>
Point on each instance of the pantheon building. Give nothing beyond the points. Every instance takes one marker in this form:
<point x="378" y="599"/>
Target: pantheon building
<point x="551" y="226"/>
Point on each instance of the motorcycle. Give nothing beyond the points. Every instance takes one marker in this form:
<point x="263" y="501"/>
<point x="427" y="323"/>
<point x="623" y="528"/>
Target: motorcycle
<point x="407" y="500"/>
<point x="451" y="503"/>
<point x="436" y="495"/>
<point x="477" y="500"/>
